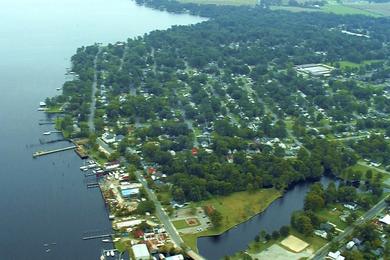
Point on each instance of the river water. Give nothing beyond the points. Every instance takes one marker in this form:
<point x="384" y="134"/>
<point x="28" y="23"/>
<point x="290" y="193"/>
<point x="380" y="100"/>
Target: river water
<point x="45" y="200"/>
<point x="278" y="214"/>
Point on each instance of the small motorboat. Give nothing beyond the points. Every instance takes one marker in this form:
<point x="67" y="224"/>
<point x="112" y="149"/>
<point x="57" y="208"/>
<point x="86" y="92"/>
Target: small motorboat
<point x="46" y="133"/>
<point x="112" y="253"/>
<point x="48" y="250"/>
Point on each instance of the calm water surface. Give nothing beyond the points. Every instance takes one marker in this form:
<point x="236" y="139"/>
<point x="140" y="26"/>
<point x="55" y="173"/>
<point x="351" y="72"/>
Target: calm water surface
<point x="45" y="200"/>
<point x="273" y="218"/>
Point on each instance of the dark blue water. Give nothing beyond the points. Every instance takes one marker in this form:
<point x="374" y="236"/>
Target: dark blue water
<point x="273" y="218"/>
<point x="45" y="200"/>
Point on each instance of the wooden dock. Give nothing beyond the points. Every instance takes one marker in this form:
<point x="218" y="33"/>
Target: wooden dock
<point x="92" y="185"/>
<point x="97" y="236"/>
<point x="42" y="153"/>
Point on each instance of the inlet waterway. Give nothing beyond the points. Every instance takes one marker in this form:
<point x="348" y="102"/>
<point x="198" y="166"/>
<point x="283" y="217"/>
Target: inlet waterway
<point x="44" y="203"/>
<point x="278" y="214"/>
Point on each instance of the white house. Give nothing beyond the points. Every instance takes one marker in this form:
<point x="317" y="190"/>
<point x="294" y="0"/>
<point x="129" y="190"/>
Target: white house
<point x="336" y="255"/>
<point x="350" y="244"/>
<point x="385" y="219"/>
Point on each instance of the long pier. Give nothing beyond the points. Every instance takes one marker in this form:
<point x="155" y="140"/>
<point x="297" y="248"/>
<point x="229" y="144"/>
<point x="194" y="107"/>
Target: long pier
<point x="97" y="236"/>
<point x="92" y="185"/>
<point x="41" y="153"/>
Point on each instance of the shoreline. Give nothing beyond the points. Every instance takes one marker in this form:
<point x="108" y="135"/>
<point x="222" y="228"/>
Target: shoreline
<point x="212" y="233"/>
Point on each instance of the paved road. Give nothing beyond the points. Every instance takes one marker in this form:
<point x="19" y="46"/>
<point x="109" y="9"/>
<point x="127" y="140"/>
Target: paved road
<point x="322" y="252"/>
<point x="91" y="123"/>
<point x="162" y="215"/>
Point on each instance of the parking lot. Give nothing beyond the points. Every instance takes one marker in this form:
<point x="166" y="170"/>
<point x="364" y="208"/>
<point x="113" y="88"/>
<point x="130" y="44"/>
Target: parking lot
<point x="186" y="214"/>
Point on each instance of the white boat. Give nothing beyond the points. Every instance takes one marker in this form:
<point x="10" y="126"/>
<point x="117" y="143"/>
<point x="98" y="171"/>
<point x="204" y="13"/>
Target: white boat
<point x="48" y="250"/>
<point x="107" y="253"/>
<point x="107" y="240"/>
<point x="112" y="253"/>
<point x="58" y="89"/>
<point x="83" y="168"/>
<point x="46" y="133"/>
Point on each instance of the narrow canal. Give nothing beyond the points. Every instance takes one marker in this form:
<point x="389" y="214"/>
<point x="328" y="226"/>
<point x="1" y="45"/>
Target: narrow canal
<point x="273" y="218"/>
<point x="45" y="205"/>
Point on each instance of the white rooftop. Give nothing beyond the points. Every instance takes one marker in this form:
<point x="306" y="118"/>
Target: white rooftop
<point x="140" y="251"/>
<point x="385" y="219"/>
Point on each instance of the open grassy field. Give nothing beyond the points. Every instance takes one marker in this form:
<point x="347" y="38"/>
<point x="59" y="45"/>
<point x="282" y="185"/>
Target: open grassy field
<point x="344" y="10"/>
<point x="333" y="216"/>
<point x="221" y="2"/>
<point x="179" y="224"/>
<point x="295" y="9"/>
<point x="235" y="209"/>
<point x="377" y="9"/>
<point x="363" y="169"/>
<point x="346" y="64"/>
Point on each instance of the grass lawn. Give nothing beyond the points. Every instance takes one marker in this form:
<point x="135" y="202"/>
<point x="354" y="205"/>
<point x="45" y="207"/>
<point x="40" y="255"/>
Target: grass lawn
<point x="333" y="216"/>
<point x="123" y="245"/>
<point x="54" y="109"/>
<point x="221" y="2"/>
<point x="335" y="8"/>
<point x="96" y="155"/>
<point x="346" y="64"/>
<point x="379" y="9"/>
<point x="344" y="10"/>
<point x="256" y="247"/>
<point x="294" y="9"/>
<point x="235" y="209"/>
<point x="179" y="224"/>
<point x="363" y="169"/>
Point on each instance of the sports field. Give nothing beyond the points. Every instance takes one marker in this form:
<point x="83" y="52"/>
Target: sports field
<point x="294" y="244"/>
